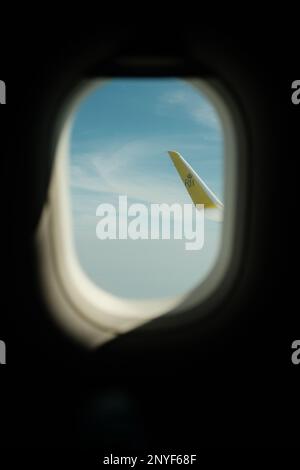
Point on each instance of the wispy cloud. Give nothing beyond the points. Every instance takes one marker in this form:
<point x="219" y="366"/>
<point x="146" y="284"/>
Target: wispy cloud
<point x="139" y="167"/>
<point x="118" y="171"/>
<point x="199" y="110"/>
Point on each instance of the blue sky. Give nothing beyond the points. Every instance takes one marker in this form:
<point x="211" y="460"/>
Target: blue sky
<point x="121" y="133"/>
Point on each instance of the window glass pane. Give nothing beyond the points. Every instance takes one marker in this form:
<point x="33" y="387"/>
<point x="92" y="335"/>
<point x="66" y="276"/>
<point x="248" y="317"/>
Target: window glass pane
<point x="120" y="139"/>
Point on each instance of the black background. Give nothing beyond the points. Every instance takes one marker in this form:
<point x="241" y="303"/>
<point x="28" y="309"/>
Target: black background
<point x="227" y="381"/>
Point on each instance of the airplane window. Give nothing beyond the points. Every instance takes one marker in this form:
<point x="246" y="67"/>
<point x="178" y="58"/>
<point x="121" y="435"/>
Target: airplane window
<point x="137" y="144"/>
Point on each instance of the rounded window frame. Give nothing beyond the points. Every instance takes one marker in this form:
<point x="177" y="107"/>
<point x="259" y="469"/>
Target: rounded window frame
<point x="94" y="315"/>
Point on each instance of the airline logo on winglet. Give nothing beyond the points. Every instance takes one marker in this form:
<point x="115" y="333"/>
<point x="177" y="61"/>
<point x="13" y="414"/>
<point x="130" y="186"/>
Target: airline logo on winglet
<point x="199" y="192"/>
<point x="189" y="181"/>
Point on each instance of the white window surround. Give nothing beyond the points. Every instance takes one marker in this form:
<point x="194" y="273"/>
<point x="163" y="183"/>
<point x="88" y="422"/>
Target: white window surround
<point x="86" y="312"/>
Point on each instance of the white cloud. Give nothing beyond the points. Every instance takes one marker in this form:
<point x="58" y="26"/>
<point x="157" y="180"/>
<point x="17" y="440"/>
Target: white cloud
<point x="199" y="110"/>
<point x="114" y="171"/>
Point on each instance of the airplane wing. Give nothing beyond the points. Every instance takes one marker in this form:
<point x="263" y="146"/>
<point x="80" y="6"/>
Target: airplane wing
<point x="197" y="189"/>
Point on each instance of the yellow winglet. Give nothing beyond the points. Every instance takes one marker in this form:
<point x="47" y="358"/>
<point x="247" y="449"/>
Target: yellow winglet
<point x="197" y="189"/>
